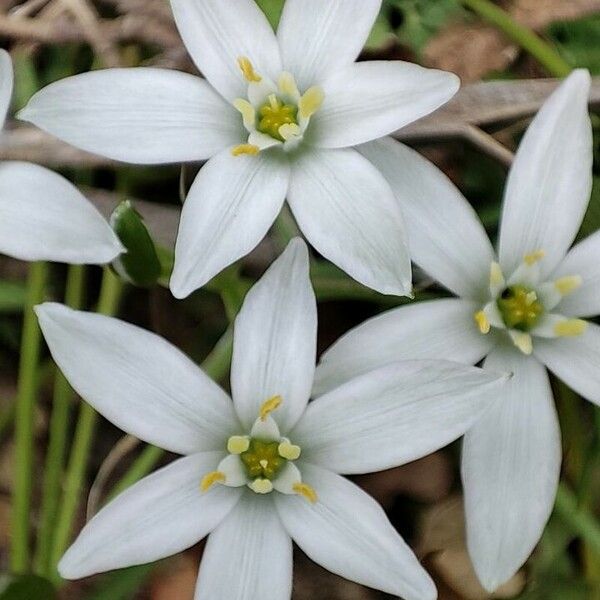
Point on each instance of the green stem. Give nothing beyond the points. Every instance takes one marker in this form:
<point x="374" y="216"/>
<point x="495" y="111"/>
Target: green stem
<point x="61" y="405"/>
<point x="580" y="520"/>
<point x="524" y="37"/>
<point x="24" y="417"/>
<point x="110" y="294"/>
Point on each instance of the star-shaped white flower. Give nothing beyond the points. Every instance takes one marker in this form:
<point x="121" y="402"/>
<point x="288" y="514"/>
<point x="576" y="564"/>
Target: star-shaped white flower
<point x="264" y="468"/>
<point x="42" y="215"/>
<point x="522" y="311"/>
<point x="277" y="116"/>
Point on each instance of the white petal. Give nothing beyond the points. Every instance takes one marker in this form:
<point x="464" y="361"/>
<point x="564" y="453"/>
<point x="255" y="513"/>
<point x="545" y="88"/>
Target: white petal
<point x="348" y="533"/>
<point x="348" y="212"/>
<point x="435" y="329"/>
<point x="248" y="557"/>
<point x="217" y="35"/>
<point x="446" y="237"/>
<point x="575" y="360"/>
<point x="234" y="470"/>
<point x="511" y="466"/>
<point x="394" y="415"/>
<point x="582" y="260"/>
<point x="229" y="209"/>
<point x="286" y="480"/>
<point x="368" y="100"/>
<point x="319" y="36"/>
<point x="161" y="515"/>
<point x="140" y="115"/>
<point x="44" y="217"/>
<point x="138" y="381"/>
<point x="6" y="84"/>
<point x="275" y="340"/>
<point x="549" y="185"/>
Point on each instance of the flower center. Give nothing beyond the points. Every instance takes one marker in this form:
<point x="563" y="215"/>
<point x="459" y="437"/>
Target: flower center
<point x="274" y="114"/>
<point x="520" y="307"/>
<point x="262" y="459"/>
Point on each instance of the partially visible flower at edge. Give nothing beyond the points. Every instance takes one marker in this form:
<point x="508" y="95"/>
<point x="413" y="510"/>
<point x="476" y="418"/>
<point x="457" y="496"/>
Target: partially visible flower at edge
<point x="276" y="116"/>
<point x="42" y="215"/>
<point x="262" y="469"/>
<point x="522" y="311"/>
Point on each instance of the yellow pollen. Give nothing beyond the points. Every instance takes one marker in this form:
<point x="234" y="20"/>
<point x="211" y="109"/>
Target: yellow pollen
<point x="250" y="149"/>
<point x="248" y="70"/>
<point x="238" y="444"/>
<point x="482" y="322"/>
<point x="211" y="479"/>
<point x="311" y="102"/>
<point x="289" y="451"/>
<point x="269" y="406"/>
<point x="496" y="276"/>
<point x="287" y="85"/>
<point x="261" y="486"/>
<point x="534" y="257"/>
<point x="522" y="341"/>
<point x="570" y="328"/>
<point x="247" y="110"/>
<point x="304" y="490"/>
<point x="567" y="285"/>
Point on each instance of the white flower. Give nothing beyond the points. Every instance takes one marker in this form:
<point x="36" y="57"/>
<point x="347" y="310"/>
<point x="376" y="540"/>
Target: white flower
<point x="276" y="116"/>
<point x="43" y="216"/>
<point x="522" y="312"/>
<point x="261" y="470"/>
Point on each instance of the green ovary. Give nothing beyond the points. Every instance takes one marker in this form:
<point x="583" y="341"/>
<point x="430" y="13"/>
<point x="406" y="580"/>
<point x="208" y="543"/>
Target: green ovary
<point x="274" y="114"/>
<point x="520" y="308"/>
<point x="262" y="459"/>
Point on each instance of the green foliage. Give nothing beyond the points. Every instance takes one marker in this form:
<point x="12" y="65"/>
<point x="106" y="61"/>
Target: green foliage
<point x="12" y="296"/>
<point x="272" y="8"/>
<point x="579" y="42"/>
<point x="27" y="587"/>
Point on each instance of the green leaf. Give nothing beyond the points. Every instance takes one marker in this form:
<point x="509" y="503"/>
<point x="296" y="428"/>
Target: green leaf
<point x="140" y="265"/>
<point x="12" y="296"/>
<point x="591" y="221"/>
<point x="272" y="9"/>
<point x="26" y="587"/>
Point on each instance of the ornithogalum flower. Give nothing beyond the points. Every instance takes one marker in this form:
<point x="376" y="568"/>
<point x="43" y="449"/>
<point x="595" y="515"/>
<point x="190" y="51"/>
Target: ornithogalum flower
<point x="277" y="116"/>
<point x="522" y="310"/>
<point x="42" y="215"/>
<point x="264" y="468"/>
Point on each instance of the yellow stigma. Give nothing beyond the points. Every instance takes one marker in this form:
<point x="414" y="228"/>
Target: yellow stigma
<point x="248" y="70"/>
<point x="261" y="486"/>
<point x="289" y="451"/>
<point x="238" y="444"/>
<point x="250" y="149"/>
<point x="307" y="492"/>
<point x="570" y="328"/>
<point x="311" y="102"/>
<point x="482" y="322"/>
<point x="520" y="307"/>
<point x="534" y="257"/>
<point x="269" y="406"/>
<point x="522" y="341"/>
<point x="567" y="285"/>
<point x="247" y="110"/>
<point x="496" y="275"/>
<point x="211" y="479"/>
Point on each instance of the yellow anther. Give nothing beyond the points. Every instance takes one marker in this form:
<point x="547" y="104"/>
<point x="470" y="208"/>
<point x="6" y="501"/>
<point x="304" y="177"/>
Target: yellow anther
<point x="496" y="275"/>
<point x="482" y="322"/>
<point x="237" y="444"/>
<point x="261" y="486"/>
<point x="287" y="85"/>
<point x="534" y="257"/>
<point x="567" y="285"/>
<point x="289" y="451"/>
<point x="289" y="131"/>
<point x="269" y="406"/>
<point x="211" y="479"/>
<point x="570" y="328"/>
<point x="311" y="102"/>
<point x="304" y="490"/>
<point x="248" y="111"/>
<point x="248" y="70"/>
<point x="522" y="341"/>
<point x="250" y="149"/>
<point x="530" y="298"/>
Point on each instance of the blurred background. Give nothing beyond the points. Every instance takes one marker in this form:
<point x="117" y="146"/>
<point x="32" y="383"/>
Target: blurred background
<point x="505" y="80"/>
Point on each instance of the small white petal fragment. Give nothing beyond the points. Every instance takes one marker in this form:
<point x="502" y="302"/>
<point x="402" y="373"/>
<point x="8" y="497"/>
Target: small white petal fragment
<point x="6" y="84"/>
<point x="234" y="471"/>
<point x="266" y="429"/>
<point x="522" y="341"/>
<point x="286" y="480"/>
